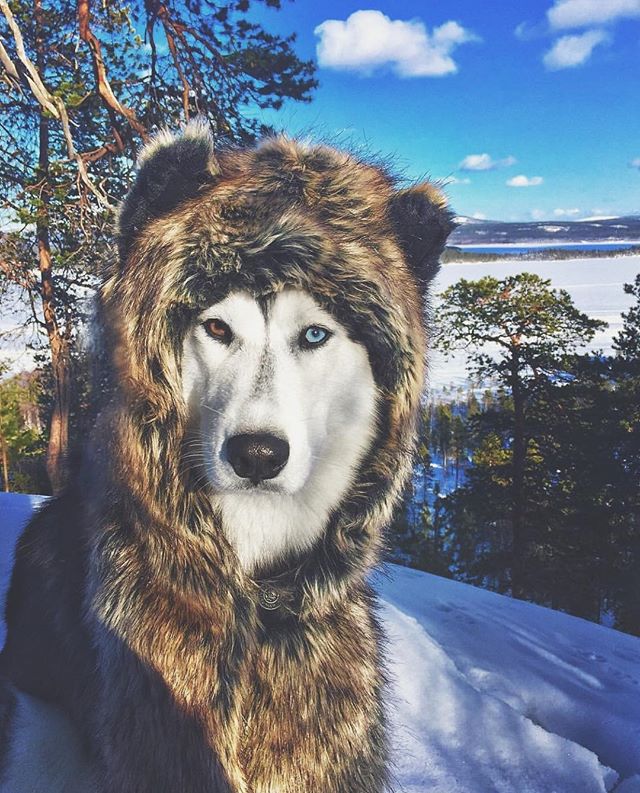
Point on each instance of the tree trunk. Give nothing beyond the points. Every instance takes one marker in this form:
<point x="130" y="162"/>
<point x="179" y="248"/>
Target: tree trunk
<point x="57" y="449"/>
<point x="5" y="463"/>
<point x="58" y="446"/>
<point x="519" y="454"/>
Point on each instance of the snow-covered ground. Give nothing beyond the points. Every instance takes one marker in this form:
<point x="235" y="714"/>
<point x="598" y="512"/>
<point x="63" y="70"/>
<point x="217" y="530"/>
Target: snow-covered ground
<point x="488" y="694"/>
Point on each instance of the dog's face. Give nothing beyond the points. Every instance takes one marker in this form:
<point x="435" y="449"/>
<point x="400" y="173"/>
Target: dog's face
<point x="282" y="410"/>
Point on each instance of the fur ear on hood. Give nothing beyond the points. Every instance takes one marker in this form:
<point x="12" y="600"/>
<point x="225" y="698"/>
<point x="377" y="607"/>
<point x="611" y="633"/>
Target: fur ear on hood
<point x="422" y="222"/>
<point x="171" y="169"/>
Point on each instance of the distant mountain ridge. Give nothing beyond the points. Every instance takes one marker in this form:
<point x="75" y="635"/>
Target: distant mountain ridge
<point x="595" y="230"/>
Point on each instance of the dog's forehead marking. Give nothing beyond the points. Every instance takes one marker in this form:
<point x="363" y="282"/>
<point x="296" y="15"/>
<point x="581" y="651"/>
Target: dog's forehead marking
<point x="266" y="367"/>
<point x="265" y="302"/>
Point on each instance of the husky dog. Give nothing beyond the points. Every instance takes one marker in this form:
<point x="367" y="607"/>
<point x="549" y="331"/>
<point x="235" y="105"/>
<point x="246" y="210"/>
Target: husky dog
<point x="196" y="603"/>
<point x="282" y="406"/>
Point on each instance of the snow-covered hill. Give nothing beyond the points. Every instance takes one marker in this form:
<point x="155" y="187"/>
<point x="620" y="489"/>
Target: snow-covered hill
<point x="587" y="230"/>
<point x="488" y="694"/>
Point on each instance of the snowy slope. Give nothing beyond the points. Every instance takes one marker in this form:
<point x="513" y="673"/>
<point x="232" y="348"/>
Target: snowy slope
<point x="488" y="694"/>
<point x="586" y="230"/>
<point x="494" y="695"/>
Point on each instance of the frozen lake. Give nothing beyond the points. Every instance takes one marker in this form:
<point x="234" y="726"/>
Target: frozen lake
<point x="596" y="286"/>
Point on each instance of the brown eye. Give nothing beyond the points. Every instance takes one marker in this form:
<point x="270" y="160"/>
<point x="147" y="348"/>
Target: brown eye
<point x="218" y="330"/>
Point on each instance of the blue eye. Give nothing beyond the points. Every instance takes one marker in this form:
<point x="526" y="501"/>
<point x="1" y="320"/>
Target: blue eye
<point x="314" y="336"/>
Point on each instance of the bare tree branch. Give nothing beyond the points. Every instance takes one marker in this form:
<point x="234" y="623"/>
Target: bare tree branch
<point x="176" y="62"/>
<point x="175" y="28"/>
<point x="103" y="85"/>
<point x="52" y="104"/>
<point x="12" y="72"/>
<point x="19" y="275"/>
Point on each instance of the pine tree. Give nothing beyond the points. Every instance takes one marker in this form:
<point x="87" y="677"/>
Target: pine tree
<point x="626" y="364"/>
<point x="20" y="438"/>
<point x="533" y="330"/>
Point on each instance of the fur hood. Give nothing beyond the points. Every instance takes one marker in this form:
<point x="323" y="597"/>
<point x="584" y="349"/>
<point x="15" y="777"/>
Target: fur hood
<point x="198" y="223"/>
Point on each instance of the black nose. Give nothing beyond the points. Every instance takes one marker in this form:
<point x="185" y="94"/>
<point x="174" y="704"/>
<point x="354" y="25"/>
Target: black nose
<point x="257" y="457"/>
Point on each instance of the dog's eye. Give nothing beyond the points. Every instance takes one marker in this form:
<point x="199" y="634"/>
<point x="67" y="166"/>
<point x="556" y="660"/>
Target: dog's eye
<point x="218" y="330"/>
<point x="314" y="336"/>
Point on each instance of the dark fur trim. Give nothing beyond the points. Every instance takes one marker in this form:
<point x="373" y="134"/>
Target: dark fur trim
<point x="170" y="171"/>
<point x="423" y="222"/>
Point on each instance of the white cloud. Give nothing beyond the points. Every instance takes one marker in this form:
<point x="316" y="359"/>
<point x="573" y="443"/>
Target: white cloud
<point x="479" y="216"/>
<point x="588" y="13"/>
<point x="477" y="162"/>
<point x="369" y="39"/>
<point x="527" y="31"/>
<point x="525" y="181"/>
<point x="570" y="51"/>
<point x="635" y="163"/>
<point x="447" y="180"/>
<point x="539" y="214"/>
<point x="485" y="162"/>
<point x="566" y="213"/>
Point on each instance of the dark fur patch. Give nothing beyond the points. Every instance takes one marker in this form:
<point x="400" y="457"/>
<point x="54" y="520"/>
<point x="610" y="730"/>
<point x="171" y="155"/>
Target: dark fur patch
<point x="423" y="223"/>
<point x="171" y="174"/>
<point x="7" y="710"/>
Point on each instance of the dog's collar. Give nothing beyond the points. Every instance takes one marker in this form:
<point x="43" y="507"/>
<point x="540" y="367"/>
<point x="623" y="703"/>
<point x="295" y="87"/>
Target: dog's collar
<point x="269" y="598"/>
<point x="277" y="600"/>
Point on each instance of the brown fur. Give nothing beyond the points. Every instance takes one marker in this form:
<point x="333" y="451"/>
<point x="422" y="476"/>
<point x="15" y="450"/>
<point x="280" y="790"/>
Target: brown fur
<point x="128" y="607"/>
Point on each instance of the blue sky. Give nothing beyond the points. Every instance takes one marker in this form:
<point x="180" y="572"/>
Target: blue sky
<point x="542" y="94"/>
